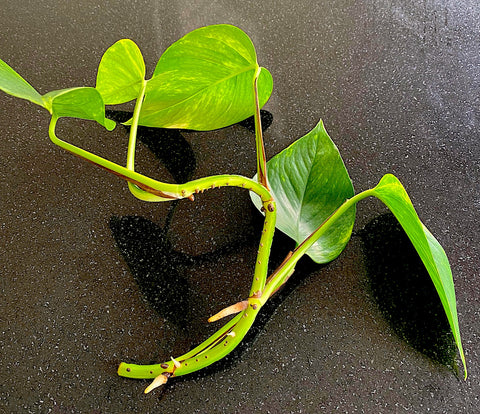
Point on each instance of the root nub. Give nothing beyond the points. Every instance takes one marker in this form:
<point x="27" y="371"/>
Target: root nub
<point x="160" y="380"/>
<point x="237" y="307"/>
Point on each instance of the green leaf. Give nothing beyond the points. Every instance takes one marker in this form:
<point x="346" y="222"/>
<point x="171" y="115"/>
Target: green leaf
<point x="84" y="103"/>
<point x="392" y="193"/>
<point x="204" y="81"/>
<point x="121" y="73"/>
<point x="309" y="182"/>
<point x="13" y="84"/>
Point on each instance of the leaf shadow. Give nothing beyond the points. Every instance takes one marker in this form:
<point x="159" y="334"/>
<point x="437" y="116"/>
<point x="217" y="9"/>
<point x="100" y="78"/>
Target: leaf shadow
<point x="168" y="145"/>
<point x="404" y="292"/>
<point x="157" y="269"/>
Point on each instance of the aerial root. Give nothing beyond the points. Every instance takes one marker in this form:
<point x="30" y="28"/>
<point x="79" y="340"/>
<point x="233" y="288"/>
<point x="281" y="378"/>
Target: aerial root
<point x="160" y="380"/>
<point x="175" y="362"/>
<point x="237" y="307"/>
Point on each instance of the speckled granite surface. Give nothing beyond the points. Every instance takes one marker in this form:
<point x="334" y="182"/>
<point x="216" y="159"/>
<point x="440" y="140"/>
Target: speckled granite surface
<point x="397" y="85"/>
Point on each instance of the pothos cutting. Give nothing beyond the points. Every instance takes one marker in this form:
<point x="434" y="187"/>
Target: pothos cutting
<point x="210" y="79"/>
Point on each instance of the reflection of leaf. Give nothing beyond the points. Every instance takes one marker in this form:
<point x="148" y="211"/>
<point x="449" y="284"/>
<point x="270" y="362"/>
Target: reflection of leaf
<point x="204" y="81"/>
<point x="403" y="290"/>
<point x="121" y="73"/>
<point x="309" y="182"/>
<point x="392" y="193"/>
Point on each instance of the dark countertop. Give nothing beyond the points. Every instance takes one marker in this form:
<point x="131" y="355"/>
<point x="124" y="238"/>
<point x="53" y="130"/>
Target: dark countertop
<point x="397" y="85"/>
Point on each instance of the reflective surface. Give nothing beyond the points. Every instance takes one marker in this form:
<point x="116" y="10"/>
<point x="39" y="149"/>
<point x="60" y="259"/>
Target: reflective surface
<point x="397" y="85"/>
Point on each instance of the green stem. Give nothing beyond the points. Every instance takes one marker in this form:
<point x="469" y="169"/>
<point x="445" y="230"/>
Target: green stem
<point x="167" y="191"/>
<point x="263" y="255"/>
<point x="228" y="337"/>
<point x="281" y="275"/>
<point x="260" y="147"/>
<point x="151" y="371"/>
<point x="163" y="191"/>
<point x="132" y="143"/>
<point x="261" y="264"/>
<point x="213" y="349"/>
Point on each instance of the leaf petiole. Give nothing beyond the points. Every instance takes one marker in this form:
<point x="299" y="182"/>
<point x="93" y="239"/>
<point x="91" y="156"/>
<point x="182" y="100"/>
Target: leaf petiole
<point x="259" y="144"/>
<point x="132" y="143"/>
<point x="285" y="270"/>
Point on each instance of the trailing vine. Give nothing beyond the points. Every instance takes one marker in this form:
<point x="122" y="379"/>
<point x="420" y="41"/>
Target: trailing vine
<point x="207" y="80"/>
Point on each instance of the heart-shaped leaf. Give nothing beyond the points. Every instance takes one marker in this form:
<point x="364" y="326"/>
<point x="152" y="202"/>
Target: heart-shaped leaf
<point x="84" y="103"/>
<point x="13" y="84"/>
<point x="204" y="81"/>
<point x="121" y="73"/>
<point x="309" y="182"/>
<point x="392" y="193"/>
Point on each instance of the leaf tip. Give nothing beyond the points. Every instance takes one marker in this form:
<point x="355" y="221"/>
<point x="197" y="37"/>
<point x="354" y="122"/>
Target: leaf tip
<point x="109" y="124"/>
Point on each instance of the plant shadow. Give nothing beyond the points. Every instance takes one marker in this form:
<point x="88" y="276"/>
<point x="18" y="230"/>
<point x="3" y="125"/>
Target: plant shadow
<point x="404" y="292"/>
<point x="159" y="270"/>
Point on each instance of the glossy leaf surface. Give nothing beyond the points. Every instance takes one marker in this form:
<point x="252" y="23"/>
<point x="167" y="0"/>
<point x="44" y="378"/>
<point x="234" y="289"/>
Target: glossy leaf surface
<point x="392" y="193"/>
<point x="13" y="84"/>
<point x="309" y="182"/>
<point x="121" y="73"/>
<point x="204" y="81"/>
<point x="84" y="103"/>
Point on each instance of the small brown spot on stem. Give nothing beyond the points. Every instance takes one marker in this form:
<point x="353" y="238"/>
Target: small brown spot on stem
<point x="164" y="366"/>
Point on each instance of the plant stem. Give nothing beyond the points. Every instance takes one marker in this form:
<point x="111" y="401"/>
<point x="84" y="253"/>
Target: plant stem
<point x="163" y="191"/>
<point x="213" y="347"/>
<point x="132" y="143"/>
<point x="219" y="344"/>
<point x="263" y="255"/>
<point x="283" y="272"/>
<point x="260" y="147"/>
